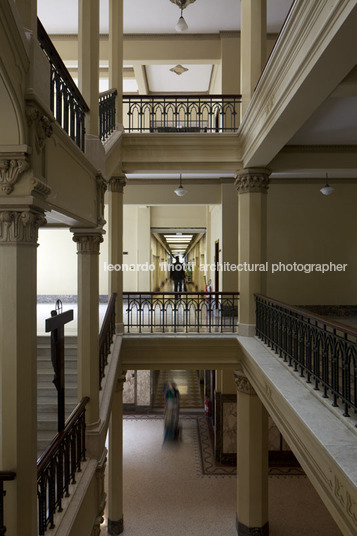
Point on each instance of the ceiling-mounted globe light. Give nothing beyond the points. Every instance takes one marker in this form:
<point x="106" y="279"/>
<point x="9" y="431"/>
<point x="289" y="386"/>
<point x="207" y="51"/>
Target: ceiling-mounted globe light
<point x="180" y="190"/>
<point x="327" y="189"/>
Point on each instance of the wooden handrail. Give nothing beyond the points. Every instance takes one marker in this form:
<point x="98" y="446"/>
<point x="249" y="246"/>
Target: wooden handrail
<point x="106" y="320"/>
<point x="112" y="91"/>
<point x="349" y="330"/>
<point x="7" y="475"/>
<point x="51" y="449"/>
<point x="51" y="51"/>
<point x="181" y="96"/>
<point x="186" y="293"/>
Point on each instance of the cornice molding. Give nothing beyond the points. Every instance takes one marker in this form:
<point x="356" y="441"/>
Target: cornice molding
<point x="20" y="226"/>
<point x="306" y="36"/>
<point x="12" y="166"/>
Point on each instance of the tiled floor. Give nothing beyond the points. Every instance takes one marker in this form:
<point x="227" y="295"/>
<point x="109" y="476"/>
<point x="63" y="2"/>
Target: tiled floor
<point x="164" y="493"/>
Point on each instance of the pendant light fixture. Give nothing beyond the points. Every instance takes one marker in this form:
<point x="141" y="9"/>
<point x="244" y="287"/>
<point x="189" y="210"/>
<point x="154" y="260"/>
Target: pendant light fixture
<point x="180" y="190"/>
<point x="181" y="25"/>
<point x="327" y="189"/>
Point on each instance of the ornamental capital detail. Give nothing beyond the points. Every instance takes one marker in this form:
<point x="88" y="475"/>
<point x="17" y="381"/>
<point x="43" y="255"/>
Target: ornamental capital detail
<point x="243" y="384"/>
<point x="20" y="226"/>
<point x="101" y="189"/>
<point x="42" y="125"/>
<point x="252" y="180"/>
<point x="87" y="241"/>
<point x="120" y="381"/>
<point x="11" y="170"/>
<point x="116" y="184"/>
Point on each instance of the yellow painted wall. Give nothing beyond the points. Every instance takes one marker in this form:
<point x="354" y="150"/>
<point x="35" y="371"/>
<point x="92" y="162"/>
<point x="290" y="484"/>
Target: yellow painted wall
<point x="307" y="227"/>
<point x="174" y="216"/>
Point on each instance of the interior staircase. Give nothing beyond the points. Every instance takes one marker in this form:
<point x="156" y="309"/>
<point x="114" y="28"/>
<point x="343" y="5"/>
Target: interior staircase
<point x="188" y="384"/>
<point x="46" y="391"/>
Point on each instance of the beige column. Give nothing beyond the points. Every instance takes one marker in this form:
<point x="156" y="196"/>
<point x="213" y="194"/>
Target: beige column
<point x="88" y="241"/>
<point x="253" y="46"/>
<point x="252" y="461"/>
<point x="115" y="462"/>
<point x="115" y="230"/>
<point x="230" y="58"/>
<point x="229" y="235"/>
<point x="116" y="53"/>
<point x="18" y="366"/>
<point x="88" y="60"/>
<point x="28" y="14"/>
<point x="252" y="186"/>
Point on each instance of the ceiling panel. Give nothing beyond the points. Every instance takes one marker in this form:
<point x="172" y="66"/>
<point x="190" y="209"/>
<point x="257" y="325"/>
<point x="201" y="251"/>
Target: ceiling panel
<point x="162" y="80"/>
<point x="160" y="16"/>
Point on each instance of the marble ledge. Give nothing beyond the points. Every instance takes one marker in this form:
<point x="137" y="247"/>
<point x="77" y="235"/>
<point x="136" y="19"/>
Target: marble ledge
<point x="326" y="423"/>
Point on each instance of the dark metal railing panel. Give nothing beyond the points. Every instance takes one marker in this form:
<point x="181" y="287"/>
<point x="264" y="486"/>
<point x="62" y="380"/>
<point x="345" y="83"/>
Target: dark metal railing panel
<point x="5" y="476"/>
<point x="57" y="467"/>
<point x="107" y="113"/>
<point x="106" y="336"/>
<point x="66" y="101"/>
<point x="181" y="113"/>
<point x="180" y="312"/>
<point x="323" y="352"/>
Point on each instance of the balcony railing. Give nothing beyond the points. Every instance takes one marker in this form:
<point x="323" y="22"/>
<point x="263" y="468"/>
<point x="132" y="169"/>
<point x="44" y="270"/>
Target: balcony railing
<point x="57" y="467"/>
<point x="107" y="113"/>
<point x="181" y="113"/>
<point x="185" y="312"/>
<point x="4" y="477"/>
<point x="106" y="336"/>
<point x="66" y="101"/>
<point x="324" y="352"/>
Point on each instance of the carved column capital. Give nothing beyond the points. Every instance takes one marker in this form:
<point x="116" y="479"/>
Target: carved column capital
<point x="11" y="169"/>
<point x="252" y="180"/>
<point x="20" y="226"/>
<point x="41" y="123"/>
<point x="117" y="183"/>
<point x="87" y="240"/>
<point x="243" y="384"/>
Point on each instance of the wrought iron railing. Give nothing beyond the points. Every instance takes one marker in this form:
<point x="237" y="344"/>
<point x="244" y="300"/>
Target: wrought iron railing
<point x="66" y="101"/>
<point x="4" y="477"/>
<point x="57" y="467"/>
<point x="107" y="113"/>
<point x="174" y="312"/>
<point x="181" y="113"/>
<point x="324" y="352"/>
<point x="106" y="336"/>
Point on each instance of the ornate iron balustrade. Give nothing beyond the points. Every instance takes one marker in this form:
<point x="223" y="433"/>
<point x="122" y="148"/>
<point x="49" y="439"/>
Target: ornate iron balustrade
<point x="185" y="312"/>
<point x="324" y="352"/>
<point x="57" y="467"/>
<point x="66" y="101"/>
<point x="107" y="113"/>
<point x="181" y="113"/>
<point x="106" y="336"/>
<point x="5" y="476"/>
